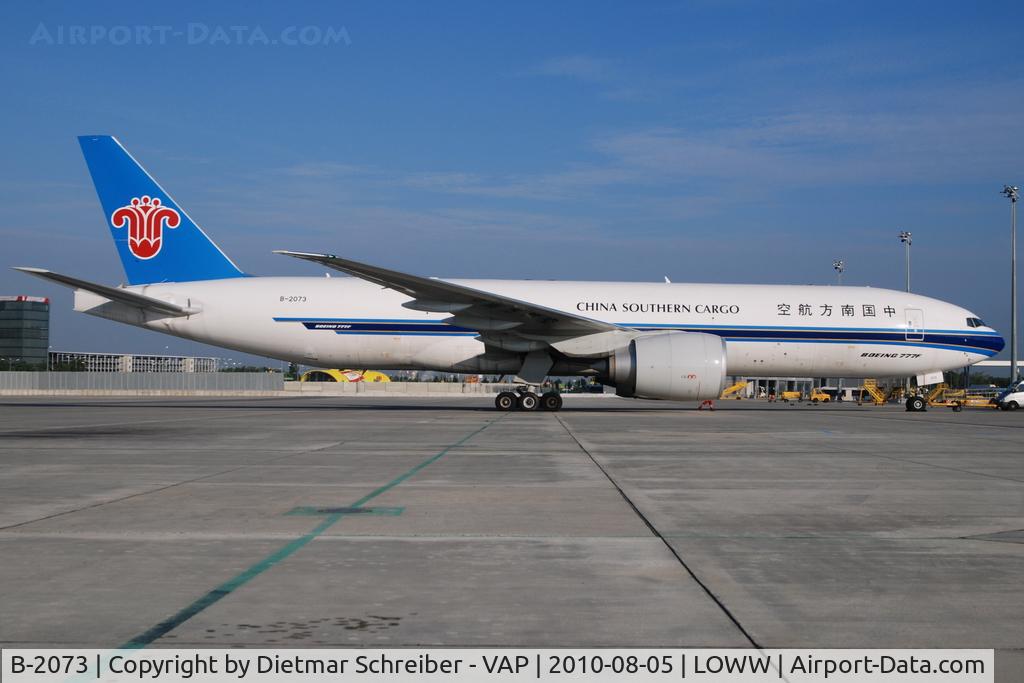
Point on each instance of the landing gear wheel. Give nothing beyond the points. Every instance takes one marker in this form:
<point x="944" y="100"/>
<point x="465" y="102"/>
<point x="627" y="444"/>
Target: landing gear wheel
<point x="527" y="401"/>
<point x="915" y="404"/>
<point x="551" y="401"/>
<point x="1012" y="405"/>
<point x="506" y="400"/>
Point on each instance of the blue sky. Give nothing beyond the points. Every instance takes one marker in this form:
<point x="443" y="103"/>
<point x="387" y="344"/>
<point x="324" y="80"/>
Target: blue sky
<point x="706" y="141"/>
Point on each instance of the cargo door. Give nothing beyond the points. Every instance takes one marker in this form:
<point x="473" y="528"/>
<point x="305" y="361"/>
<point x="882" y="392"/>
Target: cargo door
<point x="915" y="324"/>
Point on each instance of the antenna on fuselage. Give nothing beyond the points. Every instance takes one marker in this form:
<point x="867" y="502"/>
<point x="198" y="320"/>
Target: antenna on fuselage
<point x="839" y="266"/>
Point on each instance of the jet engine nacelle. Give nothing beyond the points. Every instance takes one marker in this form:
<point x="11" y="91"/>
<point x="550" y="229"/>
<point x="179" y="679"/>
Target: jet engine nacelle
<point x="676" y="366"/>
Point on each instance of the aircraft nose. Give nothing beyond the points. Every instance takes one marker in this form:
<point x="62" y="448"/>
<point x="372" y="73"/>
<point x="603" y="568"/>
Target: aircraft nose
<point x="998" y="343"/>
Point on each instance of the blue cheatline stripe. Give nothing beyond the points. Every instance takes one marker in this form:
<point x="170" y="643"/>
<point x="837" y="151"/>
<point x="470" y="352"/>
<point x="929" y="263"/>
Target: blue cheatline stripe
<point x="411" y="334"/>
<point x="225" y="589"/>
<point x="987" y="343"/>
<point x="370" y="328"/>
<point x="923" y="345"/>
<point x="678" y="326"/>
<point x="667" y="326"/>
<point x="960" y="341"/>
<point x="358" y="320"/>
<point x="894" y="330"/>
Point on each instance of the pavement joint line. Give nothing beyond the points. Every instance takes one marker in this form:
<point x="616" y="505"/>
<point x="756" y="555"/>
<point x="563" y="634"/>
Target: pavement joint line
<point x="33" y="430"/>
<point x="992" y="540"/>
<point x="495" y="538"/>
<point x="707" y="590"/>
<point x="280" y="536"/>
<point x="284" y="552"/>
<point x="892" y="458"/>
<point x="857" y="452"/>
<point x="951" y="469"/>
<point x="168" y="486"/>
<point x="923" y="420"/>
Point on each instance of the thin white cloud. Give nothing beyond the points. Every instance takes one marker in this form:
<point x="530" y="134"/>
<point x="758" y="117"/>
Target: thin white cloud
<point x="580" y="67"/>
<point x="324" y="169"/>
<point x="444" y="181"/>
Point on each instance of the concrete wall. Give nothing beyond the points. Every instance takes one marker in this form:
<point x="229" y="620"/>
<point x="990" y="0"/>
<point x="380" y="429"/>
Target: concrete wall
<point x="216" y="384"/>
<point x="140" y="384"/>
<point x="394" y="388"/>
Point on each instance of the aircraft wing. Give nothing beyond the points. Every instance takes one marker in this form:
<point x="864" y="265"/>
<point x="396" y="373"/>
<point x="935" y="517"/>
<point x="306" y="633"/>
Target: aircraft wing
<point x="495" y="316"/>
<point x="117" y="294"/>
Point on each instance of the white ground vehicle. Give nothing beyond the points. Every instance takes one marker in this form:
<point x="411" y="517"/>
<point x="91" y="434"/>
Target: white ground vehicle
<point x="1012" y="397"/>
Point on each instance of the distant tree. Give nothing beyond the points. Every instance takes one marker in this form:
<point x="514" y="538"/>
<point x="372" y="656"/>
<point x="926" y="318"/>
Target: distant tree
<point x="18" y="365"/>
<point x="977" y="378"/>
<point x="249" y="368"/>
<point x="74" y="365"/>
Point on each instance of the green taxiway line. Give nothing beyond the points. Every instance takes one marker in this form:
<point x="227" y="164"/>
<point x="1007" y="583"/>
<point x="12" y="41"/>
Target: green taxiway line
<point x="225" y="589"/>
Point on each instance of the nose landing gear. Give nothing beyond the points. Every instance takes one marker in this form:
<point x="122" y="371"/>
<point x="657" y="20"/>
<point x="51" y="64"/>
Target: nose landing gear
<point x="916" y="404"/>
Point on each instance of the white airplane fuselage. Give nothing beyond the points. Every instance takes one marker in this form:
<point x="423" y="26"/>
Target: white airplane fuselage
<point x="770" y="330"/>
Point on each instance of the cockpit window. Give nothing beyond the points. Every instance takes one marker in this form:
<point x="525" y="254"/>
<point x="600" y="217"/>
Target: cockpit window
<point x="975" y="322"/>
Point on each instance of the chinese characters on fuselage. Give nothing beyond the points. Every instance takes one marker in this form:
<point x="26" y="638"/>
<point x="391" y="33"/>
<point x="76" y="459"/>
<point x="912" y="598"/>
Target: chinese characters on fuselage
<point x="828" y="310"/>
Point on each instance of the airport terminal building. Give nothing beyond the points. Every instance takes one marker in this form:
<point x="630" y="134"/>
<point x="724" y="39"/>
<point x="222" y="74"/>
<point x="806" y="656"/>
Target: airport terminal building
<point x="24" y="330"/>
<point x="129" y="362"/>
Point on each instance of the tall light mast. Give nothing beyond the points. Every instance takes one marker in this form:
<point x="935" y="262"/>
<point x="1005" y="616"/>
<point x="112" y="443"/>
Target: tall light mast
<point x="1012" y="192"/>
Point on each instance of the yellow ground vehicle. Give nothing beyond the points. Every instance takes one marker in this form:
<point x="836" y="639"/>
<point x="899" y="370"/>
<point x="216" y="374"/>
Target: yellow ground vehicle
<point x="792" y="396"/>
<point x="975" y="401"/>
<point x="897" y="394"/>
<point x="336" y="375"/>
<point x="943" y="396"/>
<point x="733" y="391"/>
<point x="819" y="396"/>
<point x="871" y="388"/>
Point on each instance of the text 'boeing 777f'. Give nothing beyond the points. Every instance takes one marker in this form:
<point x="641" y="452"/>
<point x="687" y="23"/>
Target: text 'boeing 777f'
<point x="649" y="340"/>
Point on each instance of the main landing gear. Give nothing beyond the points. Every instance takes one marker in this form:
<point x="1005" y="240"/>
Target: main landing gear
<point x="524" y="399"/>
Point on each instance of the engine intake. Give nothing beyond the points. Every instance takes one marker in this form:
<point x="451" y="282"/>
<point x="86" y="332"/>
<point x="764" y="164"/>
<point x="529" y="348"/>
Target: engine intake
<point x="675" y="366"/>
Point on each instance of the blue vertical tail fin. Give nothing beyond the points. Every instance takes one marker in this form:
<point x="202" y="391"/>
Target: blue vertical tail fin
<point x="156" y="240"/>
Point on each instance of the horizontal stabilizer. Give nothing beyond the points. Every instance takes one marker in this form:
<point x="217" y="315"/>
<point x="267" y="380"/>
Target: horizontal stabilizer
<point x="117" y="294"/>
